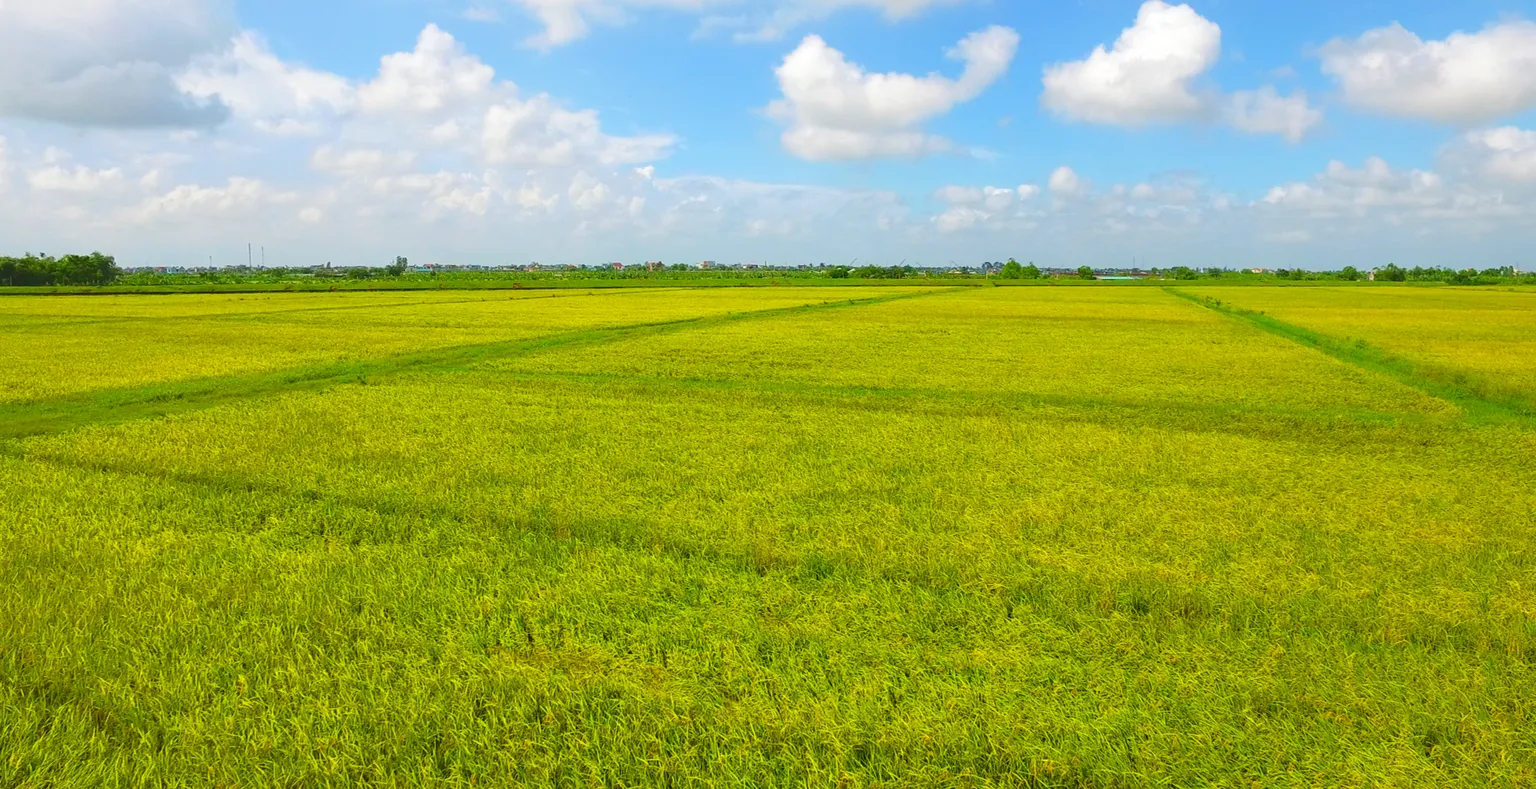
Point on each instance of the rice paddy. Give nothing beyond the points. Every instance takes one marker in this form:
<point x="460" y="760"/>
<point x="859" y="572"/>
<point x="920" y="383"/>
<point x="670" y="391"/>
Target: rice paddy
<point x="961" y="537"/>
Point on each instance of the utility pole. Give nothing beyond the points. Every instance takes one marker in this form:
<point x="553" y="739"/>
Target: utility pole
<point x="248" y="260"/>
<point x="263" y="255"/>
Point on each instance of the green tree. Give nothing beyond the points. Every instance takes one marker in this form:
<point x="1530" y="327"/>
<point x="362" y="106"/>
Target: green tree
<point x="398" y="267"/>
<point x="1391" y="273"/>
<point x="1085" y="272"/>
<point x="837" y="272"/>
<point x="1349" y="273"/>
<point x="1012" y="270"/>
<point x="1030" y="271"/>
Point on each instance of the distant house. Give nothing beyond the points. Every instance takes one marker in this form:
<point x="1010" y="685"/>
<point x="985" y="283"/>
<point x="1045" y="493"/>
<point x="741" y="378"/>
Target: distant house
<point x="654" y="265"/>
<point x="708" y="264"/>
<point x="616" y="266"/>
<point x="1258" y="271"/>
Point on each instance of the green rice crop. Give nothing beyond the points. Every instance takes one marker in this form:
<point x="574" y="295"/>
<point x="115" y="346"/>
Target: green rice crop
<point x="1022" y="537"/>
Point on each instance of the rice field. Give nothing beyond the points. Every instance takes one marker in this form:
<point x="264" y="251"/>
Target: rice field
<point x="1478" y="338"/>
<point x="957" y="537"/>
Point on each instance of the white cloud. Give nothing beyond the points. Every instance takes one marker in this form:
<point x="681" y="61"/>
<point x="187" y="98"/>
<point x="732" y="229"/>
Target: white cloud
<point x="360" y="162"/>
<point x="1467" y="78"/>
<point x="990" y="198"/>
<point x="836" y="110"/>
<point x="441" y="95"/>
<point x="959" y="218"/>
<point x="1066" y="183"/>
<point x="586" y="192"/>
<point x="78" y="179"/>
<point x="1150" y="77"/>
<point x="1146" y="77"/>
<point x="539" y="132"/>
<point x="255" y="84"/>
<point x="238" y="196"/>
<point x="1354" y="200"/>
<point x="970" y="206"/>
<point x="1265" y="111"/>
<point x="103" y="63"/>
<point x="1505" y="154"/>
<point x="437" y="75"/>
<point x="1342" y="189"/>
<point x="959" y="195"/>
<point x="289" y="127"/>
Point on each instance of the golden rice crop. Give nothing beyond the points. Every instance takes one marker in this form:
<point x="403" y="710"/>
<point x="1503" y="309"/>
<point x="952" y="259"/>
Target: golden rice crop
<point x="1473" y="336"/>
<point x="1101" y="345"/>
<point x="64" y="345"/>
<point x="1012" y="537"/>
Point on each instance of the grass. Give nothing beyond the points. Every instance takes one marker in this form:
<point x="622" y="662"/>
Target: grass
<point x="1088" y="537"/>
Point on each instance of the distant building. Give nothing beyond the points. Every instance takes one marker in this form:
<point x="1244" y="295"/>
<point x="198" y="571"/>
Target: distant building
<point x="654" y="265"/>
<point x="708" y="264"/>
<point x="616" y="266"/>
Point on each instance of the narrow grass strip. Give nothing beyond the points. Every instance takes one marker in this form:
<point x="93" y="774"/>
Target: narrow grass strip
<point x="1478" y="399"/>
<point x="59" y="414"/>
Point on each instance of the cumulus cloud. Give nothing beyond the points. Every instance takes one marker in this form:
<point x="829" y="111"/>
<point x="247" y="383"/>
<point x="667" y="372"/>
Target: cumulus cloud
<point x="78" y="179"/>
<point x="835" y="110"/>
<point x="1466" y="78"/>
<point x="1146" y="77"/>
<point x="360" y="162"/>
<point x="1264" y="111"/>
<point x="112" y="64"/>
<point x="275" y="95"/>
<point x="190" y="201"/>
<point x="1505" y="154"/>
<point x="440" y="94"/>
<point x="1066" y="183"/>
<point x="540" y="132"/>
<point x="437" y="75"/>
<point x="1150" y="76"/>
<point x="970" y="205"/>
<point x="991" y="198"/>
<point x="1376" y="192"/>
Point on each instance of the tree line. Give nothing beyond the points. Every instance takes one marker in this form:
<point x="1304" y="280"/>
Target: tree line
<point x="30" y="269"/>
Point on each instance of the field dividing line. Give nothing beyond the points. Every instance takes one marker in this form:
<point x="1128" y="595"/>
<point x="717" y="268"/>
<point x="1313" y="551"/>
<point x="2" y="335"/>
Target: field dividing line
<point x="64" y="413"/>
<point x="1459" y="389"/>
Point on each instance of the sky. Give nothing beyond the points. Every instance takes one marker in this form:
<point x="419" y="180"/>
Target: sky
<point x="935" y="132"/>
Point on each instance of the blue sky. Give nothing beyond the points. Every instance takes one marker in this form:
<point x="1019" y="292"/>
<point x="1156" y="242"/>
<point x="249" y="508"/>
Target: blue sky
<point x="1215" y="133"/>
